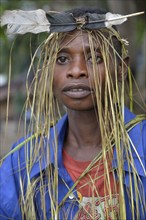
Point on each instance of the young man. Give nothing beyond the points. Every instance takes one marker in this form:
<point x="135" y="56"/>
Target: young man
<point x="90" y="164"/>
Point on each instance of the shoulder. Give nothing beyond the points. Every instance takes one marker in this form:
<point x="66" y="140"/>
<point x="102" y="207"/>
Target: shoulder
<point x="135" y="124"/>
<point x="136" y="132"/>
<point x="10" y="173"/>
<point x="27" y="149"/>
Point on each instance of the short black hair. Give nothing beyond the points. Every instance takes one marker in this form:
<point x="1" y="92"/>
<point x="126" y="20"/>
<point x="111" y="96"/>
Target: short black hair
<point x="81" y="11"/>
<point x="77" y="12"/>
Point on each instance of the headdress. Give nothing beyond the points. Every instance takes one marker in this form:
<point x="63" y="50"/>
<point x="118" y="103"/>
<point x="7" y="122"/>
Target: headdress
<point x="37" y="21"/>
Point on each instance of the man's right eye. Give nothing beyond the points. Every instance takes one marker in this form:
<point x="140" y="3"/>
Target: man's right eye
<point x="62" y="60"/>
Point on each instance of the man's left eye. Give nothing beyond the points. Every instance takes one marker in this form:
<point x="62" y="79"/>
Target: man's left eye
<point x="98" y="59"/>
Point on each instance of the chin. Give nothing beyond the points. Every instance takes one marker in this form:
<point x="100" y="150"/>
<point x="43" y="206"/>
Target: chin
<point x="79" y="104"/>
<point x="80" y="107"/>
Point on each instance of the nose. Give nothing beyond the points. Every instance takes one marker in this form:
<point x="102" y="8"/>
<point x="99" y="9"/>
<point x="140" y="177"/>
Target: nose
<point x="77" y="68"/>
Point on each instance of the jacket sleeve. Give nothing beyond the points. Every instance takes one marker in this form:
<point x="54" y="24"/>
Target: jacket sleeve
<point x="9" y="187"/>
<point x="144" y="141"/>
<point x="144" y="148"/>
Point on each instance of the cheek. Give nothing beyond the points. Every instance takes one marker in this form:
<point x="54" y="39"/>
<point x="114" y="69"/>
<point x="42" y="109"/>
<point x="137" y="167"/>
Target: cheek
<point x="105" y="75"/>
<point x="59" y="77"/>
<point x="98" y="78"/>
<point x="58" y="82"/>
<point x="56" y="77"/>
<point x="55" y="83"/>
<point x="55" y="87"/>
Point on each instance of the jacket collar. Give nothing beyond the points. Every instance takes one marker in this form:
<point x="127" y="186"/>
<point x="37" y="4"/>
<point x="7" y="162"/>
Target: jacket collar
<point x="135" y="135"/>
<point x="61" y="128"/>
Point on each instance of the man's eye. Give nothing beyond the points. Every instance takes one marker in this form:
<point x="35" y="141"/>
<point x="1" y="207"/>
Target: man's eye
<point x="62" y="60"/>
<point x="98" y="59"/>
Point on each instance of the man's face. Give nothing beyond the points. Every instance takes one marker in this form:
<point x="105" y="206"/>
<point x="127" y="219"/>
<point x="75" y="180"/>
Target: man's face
<point x="73" y="83"/>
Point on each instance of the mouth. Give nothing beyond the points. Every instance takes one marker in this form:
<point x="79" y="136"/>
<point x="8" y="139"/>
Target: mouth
<point x="77" y="90"/>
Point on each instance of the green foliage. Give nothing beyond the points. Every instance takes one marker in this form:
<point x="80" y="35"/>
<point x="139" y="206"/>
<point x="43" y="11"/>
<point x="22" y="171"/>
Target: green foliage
<point x="23" y="46"/>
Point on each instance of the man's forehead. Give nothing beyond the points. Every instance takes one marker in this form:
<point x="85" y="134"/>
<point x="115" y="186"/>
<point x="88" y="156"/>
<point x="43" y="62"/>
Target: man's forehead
<point x="75" y="37"/>
<point x="76" y="34"/>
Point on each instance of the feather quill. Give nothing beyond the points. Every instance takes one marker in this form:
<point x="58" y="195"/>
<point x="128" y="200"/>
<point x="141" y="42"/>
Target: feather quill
<point x="21" y="22"/>
<point x="116" y="19"/>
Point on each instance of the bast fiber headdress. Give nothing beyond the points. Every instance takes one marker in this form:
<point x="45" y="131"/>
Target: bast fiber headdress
<point x="37" y="21"/>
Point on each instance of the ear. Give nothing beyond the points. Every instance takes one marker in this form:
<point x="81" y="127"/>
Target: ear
<point x="123" y="69"/>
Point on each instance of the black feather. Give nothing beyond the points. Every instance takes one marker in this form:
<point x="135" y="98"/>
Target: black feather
<point x="61" y="22"/>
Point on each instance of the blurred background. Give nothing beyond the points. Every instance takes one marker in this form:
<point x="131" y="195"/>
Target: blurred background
<point x="15" y="55"/>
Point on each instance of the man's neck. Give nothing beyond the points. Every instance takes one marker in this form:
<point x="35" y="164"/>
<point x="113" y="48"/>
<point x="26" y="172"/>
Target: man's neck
<point x="83" y="139"/>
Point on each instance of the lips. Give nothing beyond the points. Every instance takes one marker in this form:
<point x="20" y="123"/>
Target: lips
<point x="77" y="90"/>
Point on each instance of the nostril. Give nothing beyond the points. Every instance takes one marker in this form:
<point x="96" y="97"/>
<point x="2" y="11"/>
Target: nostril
<point x="69" y="75"/>
<point x="77" y="75"/>
<point x="83" y="75"/>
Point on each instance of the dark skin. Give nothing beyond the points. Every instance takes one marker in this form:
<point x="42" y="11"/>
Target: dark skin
<point x="74" y="87"/>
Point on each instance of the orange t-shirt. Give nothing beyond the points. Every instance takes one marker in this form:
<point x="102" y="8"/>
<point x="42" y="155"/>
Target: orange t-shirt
<point x="93" y="186"/>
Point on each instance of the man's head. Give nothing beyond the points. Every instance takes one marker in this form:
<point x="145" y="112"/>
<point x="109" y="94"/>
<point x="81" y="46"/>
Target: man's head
<point x="85" y="64"/>
<point x="102" y="77"/>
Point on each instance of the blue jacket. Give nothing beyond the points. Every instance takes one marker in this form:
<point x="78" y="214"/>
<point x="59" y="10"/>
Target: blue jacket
<point x="15" y="166"/>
